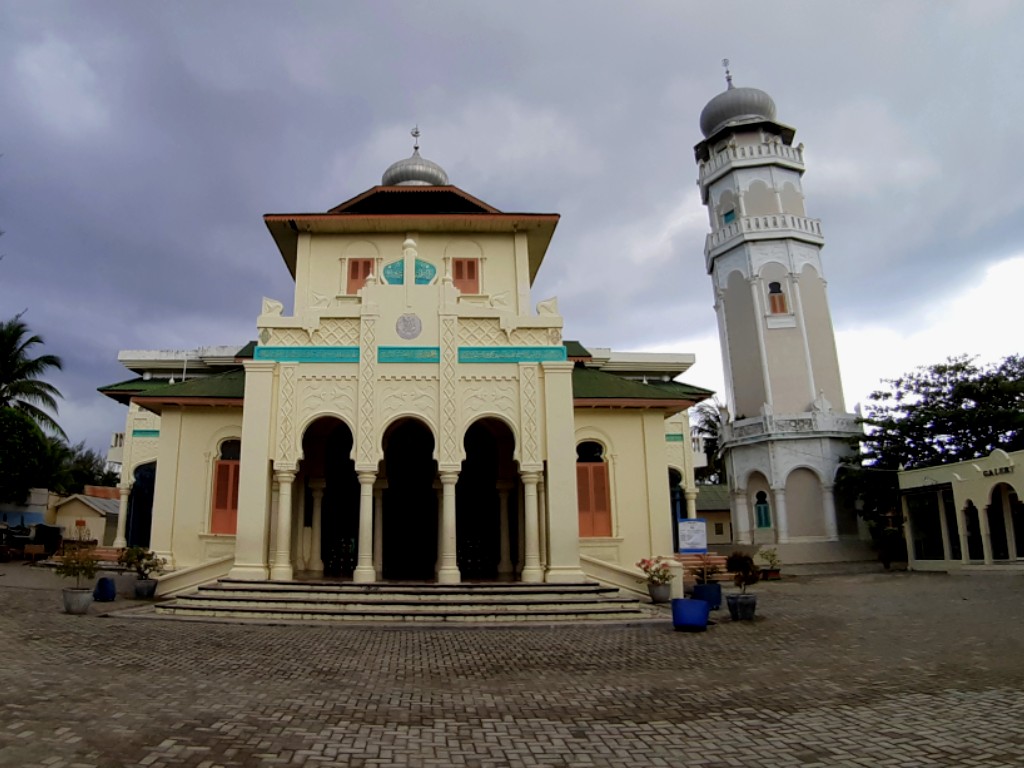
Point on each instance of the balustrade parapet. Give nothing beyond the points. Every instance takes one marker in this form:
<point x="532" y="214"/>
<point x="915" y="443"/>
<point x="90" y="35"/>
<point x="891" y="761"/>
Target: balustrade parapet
<point x="809" y="424"/>
<point x="753" y="154"/>
<point x="765" y="227"/>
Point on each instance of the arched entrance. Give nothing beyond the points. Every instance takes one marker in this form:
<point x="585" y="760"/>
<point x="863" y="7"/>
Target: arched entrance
<point x="410" y="503"/>
<point x="487" y="506"/>
<point x="675" y="494"/>
<point x="329" y="471"/>
<point x="140" y="506"/>
<point x="1001" y="524"/>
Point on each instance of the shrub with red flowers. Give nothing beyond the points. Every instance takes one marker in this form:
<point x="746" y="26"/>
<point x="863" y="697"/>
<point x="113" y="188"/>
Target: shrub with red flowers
<point x="656" y="570"/>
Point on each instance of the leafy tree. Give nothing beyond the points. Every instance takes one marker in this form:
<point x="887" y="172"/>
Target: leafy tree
<point x="21" y="387"/>
<point x="952" y="411"/>
<point x="943" y="413"/>
<point x="706" y="423"/>
<point x="22" y="446"/>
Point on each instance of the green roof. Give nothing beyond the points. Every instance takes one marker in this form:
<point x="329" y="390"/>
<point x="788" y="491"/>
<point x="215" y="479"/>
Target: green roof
<point x="123" y="391"/>
<point x="592" y="384"/>
<point x="246" y="352"/>
<point x="227" y="385"/>
<point x="575" y="349"/>
<point x="712" y="497"/>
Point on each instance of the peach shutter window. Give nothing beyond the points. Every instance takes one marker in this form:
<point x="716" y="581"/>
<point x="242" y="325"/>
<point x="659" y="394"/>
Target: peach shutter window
<point x="594" y="503"/>
<point x="358" y="271"/>
<point x="466" y="275"/>
<point x="225" y="497"/>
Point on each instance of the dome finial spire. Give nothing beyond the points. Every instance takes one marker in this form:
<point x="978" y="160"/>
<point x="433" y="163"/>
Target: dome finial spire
<point x="415" y="133"/>
<point x="728" y="74"/>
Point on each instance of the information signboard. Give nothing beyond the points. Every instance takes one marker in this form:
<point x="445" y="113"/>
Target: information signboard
<point x="693" y="536"/>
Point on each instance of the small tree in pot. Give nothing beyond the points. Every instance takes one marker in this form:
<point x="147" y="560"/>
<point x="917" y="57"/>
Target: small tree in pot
<point x="745" y="573"/>
<point x="145" y="563"/>
<point x="772" y="569"/>
<point x="78" y="563"/>
<point x="706" y="587"/>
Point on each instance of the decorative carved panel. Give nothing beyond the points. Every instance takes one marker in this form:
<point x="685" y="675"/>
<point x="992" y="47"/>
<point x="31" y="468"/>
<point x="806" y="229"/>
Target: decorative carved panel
<point x="333" y="394"/>
<point x="486" y="332"/>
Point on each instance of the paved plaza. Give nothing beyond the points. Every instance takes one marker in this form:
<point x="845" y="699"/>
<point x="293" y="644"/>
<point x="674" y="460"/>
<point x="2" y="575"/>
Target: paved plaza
<point x="886" y="669"/>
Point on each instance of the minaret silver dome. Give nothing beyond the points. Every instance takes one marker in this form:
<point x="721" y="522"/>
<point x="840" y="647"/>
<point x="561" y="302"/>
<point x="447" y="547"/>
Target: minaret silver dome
<point x="415" y="171"/>
<point x="736" y="105"/>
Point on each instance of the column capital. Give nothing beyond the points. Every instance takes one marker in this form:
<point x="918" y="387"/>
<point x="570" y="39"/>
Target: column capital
<point x="449" y="478"/>
<point x="530" y="477"/>
<point x="366" y="478"/>
<point x="284" y="474"/>
<point x="316" y="485"/>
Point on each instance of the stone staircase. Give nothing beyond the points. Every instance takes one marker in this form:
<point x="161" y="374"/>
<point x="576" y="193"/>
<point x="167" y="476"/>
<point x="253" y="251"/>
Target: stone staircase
<point x="399" y="602"/>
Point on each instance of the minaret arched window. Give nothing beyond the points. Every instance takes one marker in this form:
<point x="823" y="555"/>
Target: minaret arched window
<point x="777" y="299"/>
<point x="224" y="515"/>
<point x="762" y="511"/>
<point x="593" y="494"/>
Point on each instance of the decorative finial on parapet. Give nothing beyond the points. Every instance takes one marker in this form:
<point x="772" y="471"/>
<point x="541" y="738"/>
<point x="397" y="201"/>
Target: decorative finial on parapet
<point x="728" y="74"/>
<point x="415" y="132"/>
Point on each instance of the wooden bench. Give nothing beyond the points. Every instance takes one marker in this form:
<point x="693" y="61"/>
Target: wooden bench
<point x="692" y="563"/>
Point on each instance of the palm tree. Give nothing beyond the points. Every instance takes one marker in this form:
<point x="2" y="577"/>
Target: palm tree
<point x="706" y="423"/>
<point x="20" y="385"/>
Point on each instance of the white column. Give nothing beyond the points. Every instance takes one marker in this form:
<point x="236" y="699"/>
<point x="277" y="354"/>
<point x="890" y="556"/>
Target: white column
<point x="542" y="517"/>
<point x="505" y="563"/>
<point x="299" y="530"/>
<point x="762" y="348"/>
<point x="448" y="567"/>
<point x="986" y="535"/>
<point x="282" y="568"/>
<point x="741" y="517"/>
<point x="254" y="482"/>
<point x="364" y="572"/>
<point x="122" y="515"/>
<point x="943" y="526"/>
<point x="828" y="504"/>
<point x="691" y="504"/>
<point x="908" y="534"/>
<point x="531" y="546"/>
<point x="961" y="532"/>
<point x="781" y="518"/>
<point x="378" y="532"/>
<point x="316" y="561"/>
<point x="563" y="522"/>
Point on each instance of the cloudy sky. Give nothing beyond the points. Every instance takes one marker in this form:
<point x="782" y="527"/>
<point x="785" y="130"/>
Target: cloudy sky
<point x="141" y="143"/>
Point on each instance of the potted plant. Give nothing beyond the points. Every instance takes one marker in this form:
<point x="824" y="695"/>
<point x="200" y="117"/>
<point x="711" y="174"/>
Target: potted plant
<point x="658" y="578"/>
<point x="706" y="587"/>
<point x="772" y="570"/>
<point x="145" y="563"/>
<point x="77" y="563"/>
<point x="745" y="573"/>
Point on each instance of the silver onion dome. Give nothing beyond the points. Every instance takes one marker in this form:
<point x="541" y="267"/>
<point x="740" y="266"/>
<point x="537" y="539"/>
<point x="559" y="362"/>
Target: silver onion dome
<point x="736" y="105"/>
<point x="415" y="171"/>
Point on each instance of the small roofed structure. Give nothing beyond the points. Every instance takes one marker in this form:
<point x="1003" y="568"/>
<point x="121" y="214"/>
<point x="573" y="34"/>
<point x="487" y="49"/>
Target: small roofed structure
<point x="95" y="514"/>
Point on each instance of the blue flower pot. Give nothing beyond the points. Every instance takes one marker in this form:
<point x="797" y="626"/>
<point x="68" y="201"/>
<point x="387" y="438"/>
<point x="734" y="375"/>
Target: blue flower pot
<point x="690" y="615"/>
<point x="710" y="593"/>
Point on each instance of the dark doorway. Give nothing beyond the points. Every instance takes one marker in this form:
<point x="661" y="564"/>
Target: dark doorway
<point x="140" y="506"/>
<point x="997" y="525"/>
<point x="327" y="448"/>
<point x="675" y="491"/>
<point x="487" y="472"/>
<point x="410" y="503"/>
<point x="975" y="549"/>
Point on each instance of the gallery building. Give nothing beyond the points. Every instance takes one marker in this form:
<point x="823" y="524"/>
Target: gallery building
<point x="414" y="417"/>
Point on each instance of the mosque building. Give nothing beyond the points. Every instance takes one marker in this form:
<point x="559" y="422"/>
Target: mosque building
<point x="416" y="417"/>
<point x="787" y="428"/>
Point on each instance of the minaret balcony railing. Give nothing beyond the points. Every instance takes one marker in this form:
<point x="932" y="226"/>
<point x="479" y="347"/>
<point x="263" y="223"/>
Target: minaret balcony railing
<point x="747" y="155"/>
<point x="791" y="426"/>
<point x="772" y="226"/>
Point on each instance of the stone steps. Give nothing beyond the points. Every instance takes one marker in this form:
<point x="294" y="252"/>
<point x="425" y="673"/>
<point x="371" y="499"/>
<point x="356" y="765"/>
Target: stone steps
<point x="393" y="602"/>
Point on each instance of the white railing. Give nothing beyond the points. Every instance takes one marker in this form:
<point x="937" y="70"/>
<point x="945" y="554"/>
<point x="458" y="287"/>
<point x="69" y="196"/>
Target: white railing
<point x="184" y="579"/>
<point x="748" y="155"/>
<point x="769" y="225"/>
<point x="792" y="424"/>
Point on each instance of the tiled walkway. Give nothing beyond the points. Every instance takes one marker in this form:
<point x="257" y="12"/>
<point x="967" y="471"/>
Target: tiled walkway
<point x="868" y="670"/>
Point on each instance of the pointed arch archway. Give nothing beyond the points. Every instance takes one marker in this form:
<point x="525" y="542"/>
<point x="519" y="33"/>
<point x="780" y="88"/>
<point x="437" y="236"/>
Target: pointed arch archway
<point x="487" y="503"/>
<point x="409" y="496"/>
<point x="328" y="524"/>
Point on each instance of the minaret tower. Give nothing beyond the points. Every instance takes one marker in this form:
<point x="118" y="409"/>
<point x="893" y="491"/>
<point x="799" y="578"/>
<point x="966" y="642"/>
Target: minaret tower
<point x="787" y="427"/>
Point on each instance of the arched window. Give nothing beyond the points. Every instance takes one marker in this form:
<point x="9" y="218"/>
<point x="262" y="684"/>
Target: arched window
<point x="595" y="509"/>
<point x="762" y="512"/>
<point x="776" y="299"/>
<point x="224" y="516"/>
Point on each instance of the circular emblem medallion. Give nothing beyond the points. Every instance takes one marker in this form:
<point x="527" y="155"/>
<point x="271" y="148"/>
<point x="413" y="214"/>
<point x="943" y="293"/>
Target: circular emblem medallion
<point x="409" y="326"/>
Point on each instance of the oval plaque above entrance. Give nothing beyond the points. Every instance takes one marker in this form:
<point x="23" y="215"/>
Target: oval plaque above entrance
<point x="408" y="326"/>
